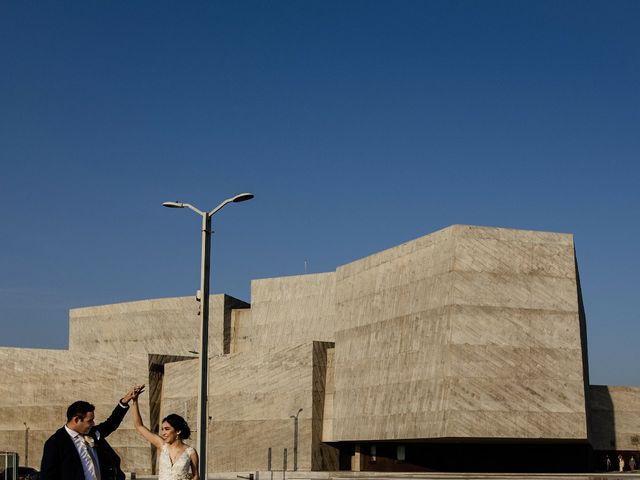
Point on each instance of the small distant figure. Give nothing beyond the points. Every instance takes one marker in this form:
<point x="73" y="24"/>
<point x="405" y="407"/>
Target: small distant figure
<point x="620" y="462"/>
<point x="607" y="463"/>
<point x="632" y="463"/>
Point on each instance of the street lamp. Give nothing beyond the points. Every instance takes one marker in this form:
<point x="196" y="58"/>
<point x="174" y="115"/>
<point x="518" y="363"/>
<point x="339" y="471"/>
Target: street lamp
<point x="295" y="440"/>
<point x="203" y="359"/>
<point x="26" y="444"/>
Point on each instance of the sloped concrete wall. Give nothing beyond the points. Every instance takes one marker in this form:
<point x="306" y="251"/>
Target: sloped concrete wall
<point x="615" y="417"/>
<point x="164" y="326"/>
<point x="38" y="385"/>
<point x="323" y="456"/>
<point x="467" y="332"/>
<point x="516" y="346"/>
<point x="251" y="398"/>
<point x="329" y="394"/>
<point x="290" y="311"/>
<point x="389" y="344"/>
<point x="180" y="393"/>
<point x="241" y="331"/>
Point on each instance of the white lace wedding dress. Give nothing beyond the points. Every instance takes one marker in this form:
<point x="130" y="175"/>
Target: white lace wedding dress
<point x="178" y="470"/>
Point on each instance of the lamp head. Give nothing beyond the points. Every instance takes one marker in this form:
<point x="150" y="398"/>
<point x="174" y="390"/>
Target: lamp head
<point x="242" y="197"/>
<point x="173" y="204"/>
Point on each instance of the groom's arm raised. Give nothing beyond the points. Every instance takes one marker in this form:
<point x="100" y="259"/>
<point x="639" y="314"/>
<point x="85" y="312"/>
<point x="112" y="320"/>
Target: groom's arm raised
<point x="115" y="419"/>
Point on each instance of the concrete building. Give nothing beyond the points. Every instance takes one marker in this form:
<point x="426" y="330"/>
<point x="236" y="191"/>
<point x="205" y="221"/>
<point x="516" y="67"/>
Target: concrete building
<point x="461" y="350"/>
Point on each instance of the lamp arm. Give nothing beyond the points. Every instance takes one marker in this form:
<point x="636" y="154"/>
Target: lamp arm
<point x="219" y="207"/>
<point x="191" y="207"/>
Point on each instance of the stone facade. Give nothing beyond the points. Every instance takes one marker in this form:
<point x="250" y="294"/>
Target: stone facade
<point x="466" y="333"/>
<point x="288" y="311"/>
<point x="111" y="348"/>
<point x="38" y="385"/>
<point x="466" y="343"/>
<point x="251" y="401"/>
<point x="616" y="418"/>
<point x="152" y="326"/>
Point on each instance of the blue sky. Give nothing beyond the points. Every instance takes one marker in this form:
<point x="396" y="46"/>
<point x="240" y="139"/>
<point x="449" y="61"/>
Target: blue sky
<point x="357" y="124"/>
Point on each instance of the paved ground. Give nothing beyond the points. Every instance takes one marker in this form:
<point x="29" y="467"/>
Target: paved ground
<point x="500" y="476"/>
<point x="427" y="476"/>
<point x="488" y="476"/>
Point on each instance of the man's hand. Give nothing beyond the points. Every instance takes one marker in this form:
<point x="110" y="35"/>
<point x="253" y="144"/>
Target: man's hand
<point x="131" y="394"/>
<point x="137" y="390"/>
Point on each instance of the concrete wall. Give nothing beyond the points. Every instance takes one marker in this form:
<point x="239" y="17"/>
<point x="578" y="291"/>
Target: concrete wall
<point x="112" y="347"/>
<point x="251" y="398"/>
<point x="241" y="331"/>
<point x="164" y="326"/>
<point x="615" y="417"/>
<point x="467" y="332"/>
<point x="38" y="385"/>
<point x="289" y="311"/>
<point x="329" y="395"/>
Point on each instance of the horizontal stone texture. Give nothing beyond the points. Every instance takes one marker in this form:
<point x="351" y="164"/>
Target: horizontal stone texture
<point x="289" y="311"/>
<point x="164" y="326"/>
<point x="468" y="332"/>
<point x="38" y="385"/>
<point x="251" y="399"/>
<point x="615" y="417"/>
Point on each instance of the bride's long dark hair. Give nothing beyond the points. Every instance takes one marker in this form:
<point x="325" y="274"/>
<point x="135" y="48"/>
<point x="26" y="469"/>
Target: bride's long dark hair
<point x="179" y="424"/>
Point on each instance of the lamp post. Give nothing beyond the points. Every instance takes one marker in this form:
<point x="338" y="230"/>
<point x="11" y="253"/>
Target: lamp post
<point x="295" y="440"/>
<point x="203" y="359"/>
<point x="26" y="444"/>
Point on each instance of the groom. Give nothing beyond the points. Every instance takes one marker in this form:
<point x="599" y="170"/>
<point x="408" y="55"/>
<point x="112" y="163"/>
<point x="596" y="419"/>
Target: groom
<point x="79" y="450"/>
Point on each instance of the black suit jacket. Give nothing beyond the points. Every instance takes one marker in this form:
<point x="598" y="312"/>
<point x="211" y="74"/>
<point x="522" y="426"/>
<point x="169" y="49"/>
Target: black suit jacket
<point x="60" y="459"/>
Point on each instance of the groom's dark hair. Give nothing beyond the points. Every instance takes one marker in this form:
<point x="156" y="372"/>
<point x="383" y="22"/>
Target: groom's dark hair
<point x="79" y="409"/>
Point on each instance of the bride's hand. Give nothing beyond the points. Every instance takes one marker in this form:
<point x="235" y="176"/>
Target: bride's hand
<point x="136" y="391"/>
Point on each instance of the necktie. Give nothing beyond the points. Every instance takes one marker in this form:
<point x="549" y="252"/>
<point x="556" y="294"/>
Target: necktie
<point x="94" y="457"/>
<point x="89" y="464"/>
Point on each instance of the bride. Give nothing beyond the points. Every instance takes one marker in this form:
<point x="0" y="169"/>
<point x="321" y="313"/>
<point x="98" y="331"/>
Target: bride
<point x="178" y="461"/>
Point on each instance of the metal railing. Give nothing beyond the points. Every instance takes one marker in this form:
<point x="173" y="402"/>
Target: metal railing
<point x="8" y="465"/>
